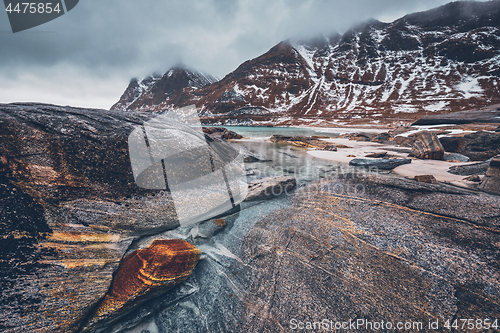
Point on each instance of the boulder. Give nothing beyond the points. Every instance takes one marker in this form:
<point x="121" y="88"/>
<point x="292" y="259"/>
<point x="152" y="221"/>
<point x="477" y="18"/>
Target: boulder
<point x="404" y="141"/>
<point x="144" y="274"/>
<point x="491" y="181"/>
<point x="478" y="146"/>
<point x="382" y="138"/>
<point x="456" y="157"/>
<point x="427" y="146"/>
<point x="382" y="164"/>
<point x="426" y="179"/>
<point x="470" y="169"/>
<point x="330" y="148"/>
<point x="270" y="187"/>
<point x="222" y="133"/>
<point x="362" y="136"/>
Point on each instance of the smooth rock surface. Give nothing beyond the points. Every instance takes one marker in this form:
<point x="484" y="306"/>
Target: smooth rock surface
<point x="383" y="164"/>
<point x="395" y="250"/>
<point x="70" y="210"/>
<point x="270" y="187"/>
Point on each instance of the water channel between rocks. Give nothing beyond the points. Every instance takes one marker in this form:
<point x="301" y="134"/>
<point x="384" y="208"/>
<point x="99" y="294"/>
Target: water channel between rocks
<point x="222" y="252"/>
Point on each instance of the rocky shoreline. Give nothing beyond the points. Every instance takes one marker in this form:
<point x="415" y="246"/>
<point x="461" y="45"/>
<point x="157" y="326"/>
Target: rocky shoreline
<point x="84" y="249"/>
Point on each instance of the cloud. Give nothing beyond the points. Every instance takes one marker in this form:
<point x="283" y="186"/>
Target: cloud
<point x="103" y="44"/>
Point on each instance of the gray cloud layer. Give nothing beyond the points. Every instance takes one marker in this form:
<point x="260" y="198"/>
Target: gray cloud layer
<point x="87" y="57"/>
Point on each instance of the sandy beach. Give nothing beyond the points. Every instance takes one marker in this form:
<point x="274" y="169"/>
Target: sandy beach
<point x="439" y="169"/>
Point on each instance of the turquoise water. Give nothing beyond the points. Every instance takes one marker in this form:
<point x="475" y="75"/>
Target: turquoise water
<point x="254" y="132"/>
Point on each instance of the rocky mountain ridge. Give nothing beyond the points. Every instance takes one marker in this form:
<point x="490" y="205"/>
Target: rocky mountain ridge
<point x="442" y="60"/>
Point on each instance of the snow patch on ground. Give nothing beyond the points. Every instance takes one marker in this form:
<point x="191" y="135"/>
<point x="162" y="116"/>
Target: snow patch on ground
<point x="404" y="108"/>
<point x="470" y="87"/>
<point x="436" y="107"/>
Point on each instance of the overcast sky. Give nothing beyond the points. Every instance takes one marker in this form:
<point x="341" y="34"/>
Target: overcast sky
<point x="88" y="56"/>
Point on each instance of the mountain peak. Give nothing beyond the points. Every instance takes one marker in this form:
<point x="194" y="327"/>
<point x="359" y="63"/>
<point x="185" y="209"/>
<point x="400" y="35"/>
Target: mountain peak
<point x="442" y="60"/>
<point x="156" y="89"/>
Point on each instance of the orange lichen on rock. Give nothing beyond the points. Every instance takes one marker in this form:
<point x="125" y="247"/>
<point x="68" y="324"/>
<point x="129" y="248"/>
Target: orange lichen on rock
<point x="143" y="273"/>
<point x="220" y="222"/>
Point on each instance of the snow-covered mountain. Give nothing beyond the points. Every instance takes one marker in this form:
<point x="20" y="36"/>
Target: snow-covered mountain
<point x="442" y="60"/>
<point x="174" y="87"/>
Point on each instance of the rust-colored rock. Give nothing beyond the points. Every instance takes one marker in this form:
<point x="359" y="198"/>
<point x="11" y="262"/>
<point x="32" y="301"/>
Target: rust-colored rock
<point x="144" y="274"/>
<point x="427" y="146"/>
<point x="426" y="179"/>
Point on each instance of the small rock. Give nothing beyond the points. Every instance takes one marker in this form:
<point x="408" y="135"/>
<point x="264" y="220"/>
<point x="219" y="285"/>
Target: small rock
<point x="491" y="182"/>
<point x="377" y="155"/>
<point x="474" y="178"/>
<point x="330" y="148"/>
<point x="456" y="157"/>
<point x="427" y="146"/>
<point x="382" y="164"/>
<point x="250" y="159"/>
<point x="351" y="155"/>
<point x="426" y="179"/>
<point x="498" y="129"/>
